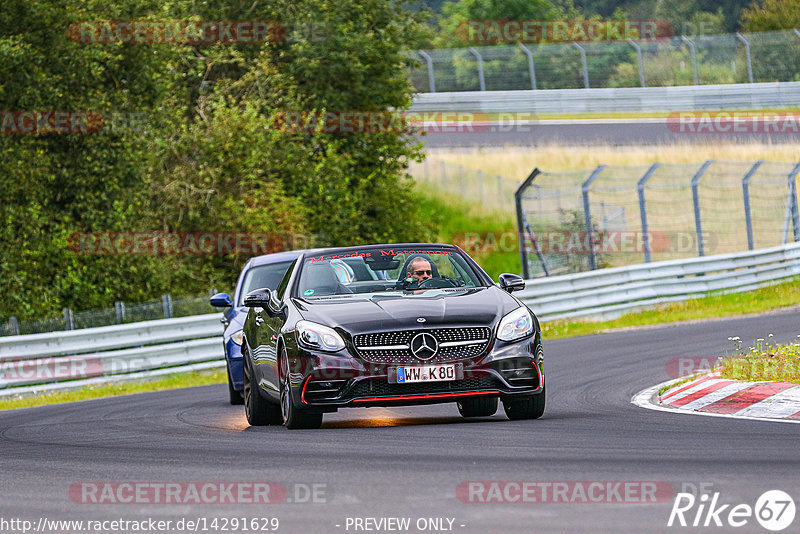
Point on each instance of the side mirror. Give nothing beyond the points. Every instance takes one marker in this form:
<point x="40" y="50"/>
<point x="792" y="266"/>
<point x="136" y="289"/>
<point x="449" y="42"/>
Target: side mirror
<point x="221" y="300"/>
<point x="511" y="282"/>
<point x="258" y="298"/>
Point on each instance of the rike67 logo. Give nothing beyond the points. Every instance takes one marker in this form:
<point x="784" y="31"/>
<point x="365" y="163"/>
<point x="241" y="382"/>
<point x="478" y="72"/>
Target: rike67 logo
<point x="774" y="510"/>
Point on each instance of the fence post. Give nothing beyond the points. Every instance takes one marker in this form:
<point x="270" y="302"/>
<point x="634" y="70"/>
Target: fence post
<point x="643" y="210"/>
<point x="462" y="181"/>
<point x="478" y="56"/>
<point x="443" y="167"/>
<point x="13" y="325"/>
<point x="119" y="308"/>
<point x="694" y="58"/>
<point x="166" y="305"/>
<point x="429" y="60"/>
<point x="585" y="65"/>
<point x="747" y="51"/>
<point x="69" y="319"/>
<point x="523" y="227"/>
<point x="696" y="201"/>
<point x="588" y="213"/>
<point x="641" y="61"/>
<point x="531" y="67"/>
<point x="480" y="186"/>
<point x="748" y="219"/>
<point x="793" y="201"/>
<point x="500" y="187"/>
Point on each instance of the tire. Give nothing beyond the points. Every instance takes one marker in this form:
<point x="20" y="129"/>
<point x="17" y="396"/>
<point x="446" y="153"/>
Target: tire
<point x="527" y="407"/>
<point x="257" y="409"/>
<point x="294" y="417"/>
<point x="235" y="397"/>
<point x="480" y="407"/>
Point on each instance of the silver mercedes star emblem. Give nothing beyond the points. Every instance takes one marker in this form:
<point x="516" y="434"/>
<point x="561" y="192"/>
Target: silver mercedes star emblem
<point x="424" y="346"/>
<point x="420" y="319"/>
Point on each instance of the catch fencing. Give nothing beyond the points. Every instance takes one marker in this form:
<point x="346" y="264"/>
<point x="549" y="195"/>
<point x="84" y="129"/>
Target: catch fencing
<point x="623" y="215"/>
<point x="121" y="313"/>
<point x="675" y="61"/>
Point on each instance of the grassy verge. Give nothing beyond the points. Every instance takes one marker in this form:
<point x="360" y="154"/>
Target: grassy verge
<point x="767" y="298"/>
<point x="176" y="381"/>
<point x="765" y="361"/>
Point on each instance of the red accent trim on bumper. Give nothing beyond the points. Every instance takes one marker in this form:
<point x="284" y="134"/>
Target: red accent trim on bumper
<point x="303" y="393"/>
<point x="429" y="396"/>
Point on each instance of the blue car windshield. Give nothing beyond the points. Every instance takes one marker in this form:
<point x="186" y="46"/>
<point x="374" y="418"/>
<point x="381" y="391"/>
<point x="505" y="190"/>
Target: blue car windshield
<point x="261" y="276"/>
<point x="373" y="270"/>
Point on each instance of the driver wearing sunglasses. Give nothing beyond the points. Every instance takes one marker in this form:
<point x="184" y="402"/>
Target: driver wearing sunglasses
<point x="420" y="270"/>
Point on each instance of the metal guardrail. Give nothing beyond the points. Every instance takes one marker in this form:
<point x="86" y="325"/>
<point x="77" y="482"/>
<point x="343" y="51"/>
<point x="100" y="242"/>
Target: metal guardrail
<point x="637" y="99"/>
<point x="69" y="360"/>
<point x="609" y="293"/>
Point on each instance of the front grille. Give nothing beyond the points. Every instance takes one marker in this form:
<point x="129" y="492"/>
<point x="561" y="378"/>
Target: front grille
<point x="377" y="387"/>
<point x="393" y="347"/>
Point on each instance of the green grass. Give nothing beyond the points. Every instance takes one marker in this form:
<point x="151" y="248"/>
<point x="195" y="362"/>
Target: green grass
<point x="761" y="300"/>
<point x="176" y="381"/>
<point x="765" y="361"/>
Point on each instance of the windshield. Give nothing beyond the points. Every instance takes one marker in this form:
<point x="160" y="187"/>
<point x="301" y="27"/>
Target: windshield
<point x="383" y="270"/>
<point x="263" y="276"/>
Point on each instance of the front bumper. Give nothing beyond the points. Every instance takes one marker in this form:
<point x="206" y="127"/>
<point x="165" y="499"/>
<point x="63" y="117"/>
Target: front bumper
<point x="326" y="382"/>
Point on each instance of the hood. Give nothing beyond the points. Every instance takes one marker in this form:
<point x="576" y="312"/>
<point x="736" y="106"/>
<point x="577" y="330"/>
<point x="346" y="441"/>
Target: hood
<point x="358" y="314"/>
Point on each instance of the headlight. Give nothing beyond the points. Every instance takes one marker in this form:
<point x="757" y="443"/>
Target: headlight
<point x="238" y="337"/>
<point x="319" y="337"/>
<point x="515" y="325"/>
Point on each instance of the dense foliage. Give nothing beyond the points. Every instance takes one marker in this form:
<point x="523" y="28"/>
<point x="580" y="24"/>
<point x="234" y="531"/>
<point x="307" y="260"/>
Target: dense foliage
<point x="188" y="143"/>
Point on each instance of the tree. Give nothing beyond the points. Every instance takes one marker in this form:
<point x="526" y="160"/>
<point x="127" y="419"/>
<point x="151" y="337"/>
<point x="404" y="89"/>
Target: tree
<point x="771" y="15"/>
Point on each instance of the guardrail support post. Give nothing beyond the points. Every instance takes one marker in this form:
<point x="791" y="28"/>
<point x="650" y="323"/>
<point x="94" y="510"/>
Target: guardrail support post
<point x="166" y="305"/>
<point x="588" y="213"/>
<point x="13" y="325"/>
<point x="694" y="58"/>
<point x="69" y="319"/>
<point x="119" y="308"/>
<point x="481" y="78"/>
<point x="643" y="210"/>
<point x="748" y="219"/>
<point x="793" y="201"/>
<point x="585" y="65"/>
<point x="641" y="61"/>
<point x="531" y="67"/>
<point x="696" y="201"/>
<point x="749" y="59"/>
<point x="429" y="60"/>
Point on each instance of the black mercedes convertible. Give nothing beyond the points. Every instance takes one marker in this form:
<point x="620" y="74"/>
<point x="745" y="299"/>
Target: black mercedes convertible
<point x="389" y="325"/>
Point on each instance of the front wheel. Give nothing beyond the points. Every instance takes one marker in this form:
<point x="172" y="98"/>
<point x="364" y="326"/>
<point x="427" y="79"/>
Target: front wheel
<point x="235" y="397"/>
<point x="527" y="407"/>
<point x="480" y="407"/>
<point x="257" y="409"/>
<point x="293" y="416"/>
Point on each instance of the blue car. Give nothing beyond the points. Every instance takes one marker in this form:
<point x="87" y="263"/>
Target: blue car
<point x="258" y="272"/>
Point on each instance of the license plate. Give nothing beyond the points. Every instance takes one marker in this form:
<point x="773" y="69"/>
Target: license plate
<point x="407" y="374"/>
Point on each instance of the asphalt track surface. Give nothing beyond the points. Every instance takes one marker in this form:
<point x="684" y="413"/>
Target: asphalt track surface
<point x="615" y="132"/>
<point x="407" y="462"/>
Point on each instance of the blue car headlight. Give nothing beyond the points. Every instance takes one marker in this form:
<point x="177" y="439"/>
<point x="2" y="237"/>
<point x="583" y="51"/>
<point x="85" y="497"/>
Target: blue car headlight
<point x="318" y="337"/>
<point x="515" y="325"/>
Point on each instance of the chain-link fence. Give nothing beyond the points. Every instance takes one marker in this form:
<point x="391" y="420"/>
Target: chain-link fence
<point x="622" y="215"/>
<point x="121" y="313"/>
<point x="704" y="59"/>
<point x="493" y="192"/>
